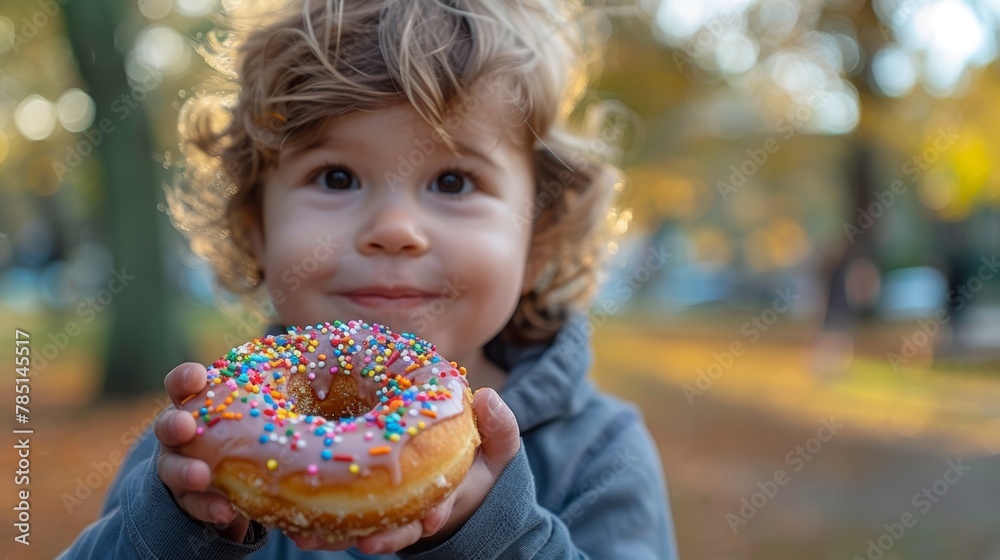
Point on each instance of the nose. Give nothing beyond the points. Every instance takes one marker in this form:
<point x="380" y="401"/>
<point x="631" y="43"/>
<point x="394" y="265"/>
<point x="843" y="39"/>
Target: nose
<point x="394" y="228"/>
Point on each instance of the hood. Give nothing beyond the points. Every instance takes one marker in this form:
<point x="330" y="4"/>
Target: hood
<point x="547" y="381"/>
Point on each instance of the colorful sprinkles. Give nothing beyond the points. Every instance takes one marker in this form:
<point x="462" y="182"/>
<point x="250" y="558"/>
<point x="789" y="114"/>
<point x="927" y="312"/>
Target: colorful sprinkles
<point x="256" y="375"/>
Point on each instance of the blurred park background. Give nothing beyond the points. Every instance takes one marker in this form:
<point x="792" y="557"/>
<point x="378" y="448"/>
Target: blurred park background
<point x="820" y="174"/>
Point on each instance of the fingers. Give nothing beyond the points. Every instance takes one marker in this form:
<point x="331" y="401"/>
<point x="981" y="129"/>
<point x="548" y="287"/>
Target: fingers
<point x="174" y="428"/>
<point x="497" y="428"/>
<point x="392" y="540"/>
<point x="216" y="510"/>
<point x="439" y="514"/>
<point x="208" y="507"/>
<point x="378" y="543"/>
<point x="183" y="474"/>
<point x="184" y="380"/>
<point x="188" y="479"/>
<point x="315" y="542"/>
<point x="237" y="528"/>
<point x="385" y="542"/>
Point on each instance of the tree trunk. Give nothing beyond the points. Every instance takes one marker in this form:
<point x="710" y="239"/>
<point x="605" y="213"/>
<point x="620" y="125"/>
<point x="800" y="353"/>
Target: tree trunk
<point x="144" y="343"/>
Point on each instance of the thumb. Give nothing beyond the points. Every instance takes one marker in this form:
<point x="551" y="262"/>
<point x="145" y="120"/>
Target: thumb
<point x="497" y="427"/>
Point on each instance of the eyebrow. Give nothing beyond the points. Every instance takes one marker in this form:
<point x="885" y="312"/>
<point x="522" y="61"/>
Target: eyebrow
<point x="296" y="151"/>
<point x="470" y="150"/>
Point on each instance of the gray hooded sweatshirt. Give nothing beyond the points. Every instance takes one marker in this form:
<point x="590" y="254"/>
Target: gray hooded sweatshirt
<point x="586" y="482"/>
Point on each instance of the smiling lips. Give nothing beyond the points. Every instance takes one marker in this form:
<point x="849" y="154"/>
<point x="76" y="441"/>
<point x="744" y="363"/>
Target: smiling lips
<point x="389" y="297"/>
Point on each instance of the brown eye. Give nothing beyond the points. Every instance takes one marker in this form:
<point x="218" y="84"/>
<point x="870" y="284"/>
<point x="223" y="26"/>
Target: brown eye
<point x="451" y="183"/>
<point x="337" y="179"/>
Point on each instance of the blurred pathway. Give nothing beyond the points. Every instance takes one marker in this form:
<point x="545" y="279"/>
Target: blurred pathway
<point x="959" y="411"/>
<point x="767" y="414"/>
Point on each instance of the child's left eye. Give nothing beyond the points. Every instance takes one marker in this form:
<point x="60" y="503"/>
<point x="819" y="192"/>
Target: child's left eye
<point x="453" y="182"/>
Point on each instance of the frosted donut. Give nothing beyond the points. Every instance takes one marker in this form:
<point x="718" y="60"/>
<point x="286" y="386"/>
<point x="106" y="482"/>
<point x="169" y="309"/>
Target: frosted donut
<point x="338" y="429"/>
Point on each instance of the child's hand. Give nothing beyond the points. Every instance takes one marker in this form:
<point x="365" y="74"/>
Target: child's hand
<point x="500" y="442"/>
<point x="188" y="479"/>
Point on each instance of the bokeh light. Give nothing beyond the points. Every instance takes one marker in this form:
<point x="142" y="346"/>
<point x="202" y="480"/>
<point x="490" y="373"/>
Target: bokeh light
<point x="155" y="9"/>
<point x="194" y="8"/>
<point x="736" y="53"/>
<point x="75" y="110"/>
<point x="895" y="71"/>
<point x="35" y="117"/>
<point x="163" y="49"/>
<point x="949" y="37"/>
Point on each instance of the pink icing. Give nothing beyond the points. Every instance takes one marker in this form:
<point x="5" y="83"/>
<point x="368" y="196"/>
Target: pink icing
<point x="245" y="411"/>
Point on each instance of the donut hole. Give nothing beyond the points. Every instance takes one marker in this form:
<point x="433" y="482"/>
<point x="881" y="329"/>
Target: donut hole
<point x="343" y="400"/>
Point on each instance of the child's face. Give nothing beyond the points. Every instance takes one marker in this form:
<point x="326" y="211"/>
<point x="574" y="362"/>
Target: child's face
<point x="431" y="250"/>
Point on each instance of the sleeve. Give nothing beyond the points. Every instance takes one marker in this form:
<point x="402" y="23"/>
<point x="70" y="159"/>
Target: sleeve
<point x="617" y="508"/>
<point x="140" y="519"/>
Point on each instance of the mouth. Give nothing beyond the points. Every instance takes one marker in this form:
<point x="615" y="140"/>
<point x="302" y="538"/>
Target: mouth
<point x="389" y="298"/>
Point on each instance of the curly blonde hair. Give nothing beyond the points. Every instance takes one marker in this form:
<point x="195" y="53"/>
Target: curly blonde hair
<point x="285" y="69"/>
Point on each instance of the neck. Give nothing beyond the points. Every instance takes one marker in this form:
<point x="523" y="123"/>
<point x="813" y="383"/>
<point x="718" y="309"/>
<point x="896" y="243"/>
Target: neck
<point x="482" y="372"/>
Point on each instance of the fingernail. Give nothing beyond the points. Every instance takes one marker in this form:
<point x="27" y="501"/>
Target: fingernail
<point x="438" y="523"/>
<point x="495" y="402"/>
<point x="184" y="473"/>
<point x="221" y="513"/>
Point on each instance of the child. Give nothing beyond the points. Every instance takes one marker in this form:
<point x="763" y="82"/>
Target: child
<point x="325" y="190"/>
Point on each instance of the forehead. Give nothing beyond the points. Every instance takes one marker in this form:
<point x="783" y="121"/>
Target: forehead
<point x="478" y="120"/>
<point x="485" y="118"/>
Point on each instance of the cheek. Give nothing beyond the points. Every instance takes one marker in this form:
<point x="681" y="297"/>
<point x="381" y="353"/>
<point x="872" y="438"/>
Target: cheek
<point x="300" y="248"/>
<point x="492" y="271"/>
